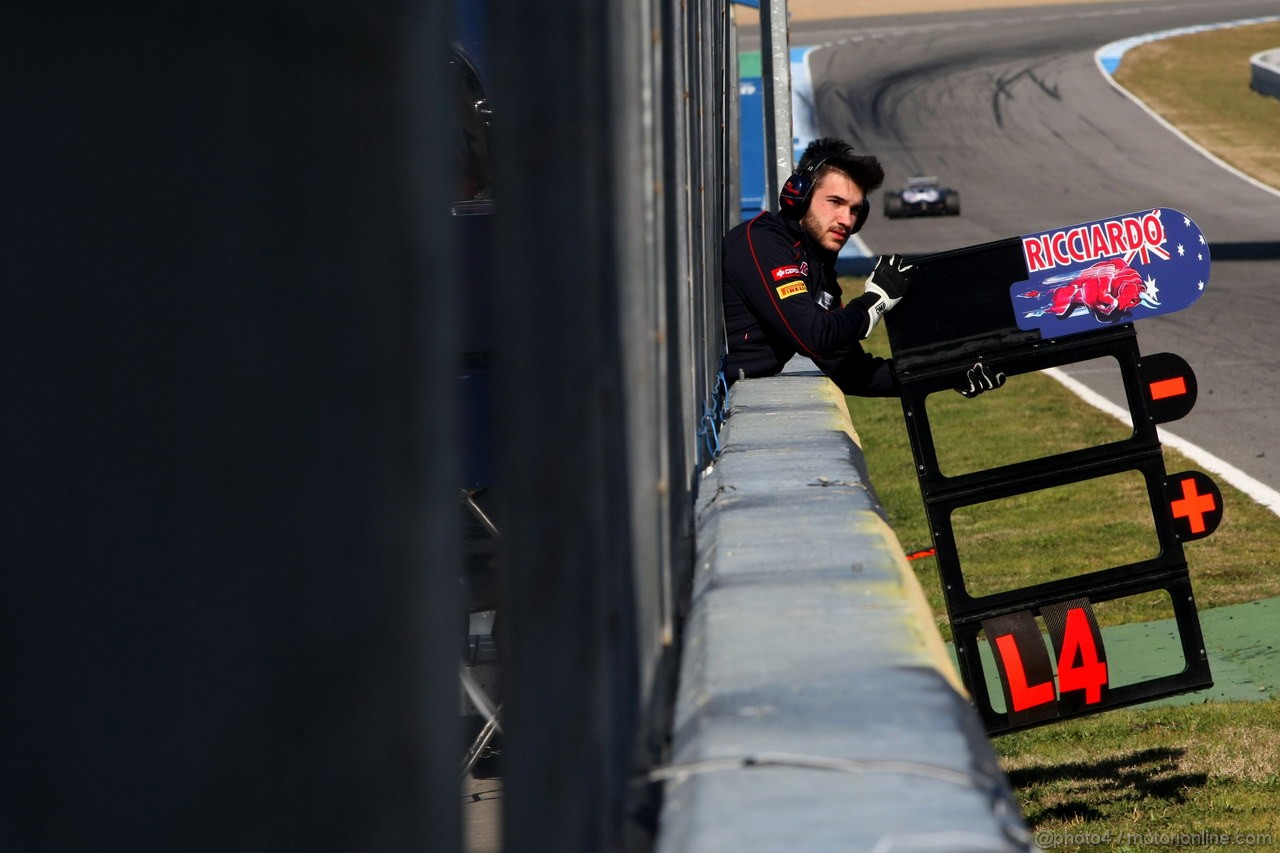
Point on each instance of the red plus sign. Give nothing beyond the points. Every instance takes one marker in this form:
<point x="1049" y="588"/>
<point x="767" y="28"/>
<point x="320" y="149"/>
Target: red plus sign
<point x="1193" y="506"/>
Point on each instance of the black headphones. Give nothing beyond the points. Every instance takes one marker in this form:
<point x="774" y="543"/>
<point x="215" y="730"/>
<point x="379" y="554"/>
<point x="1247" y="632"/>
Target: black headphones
<point x="793" y="198"/>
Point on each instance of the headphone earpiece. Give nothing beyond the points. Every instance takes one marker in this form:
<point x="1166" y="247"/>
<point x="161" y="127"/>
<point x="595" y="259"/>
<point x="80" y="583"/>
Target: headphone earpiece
<point x="793" y="198"/>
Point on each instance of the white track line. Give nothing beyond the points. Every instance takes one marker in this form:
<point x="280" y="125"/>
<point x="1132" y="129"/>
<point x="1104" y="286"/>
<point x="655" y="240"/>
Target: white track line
<point x="1259" y="492"/>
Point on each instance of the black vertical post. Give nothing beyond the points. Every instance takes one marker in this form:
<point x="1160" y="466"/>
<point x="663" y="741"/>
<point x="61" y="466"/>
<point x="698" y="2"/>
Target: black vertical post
<point x="571" y="662"/>
<point x="229" y="618"/>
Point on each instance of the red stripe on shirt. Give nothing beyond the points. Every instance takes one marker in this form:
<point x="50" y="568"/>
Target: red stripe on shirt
<point x="773" y="297"/>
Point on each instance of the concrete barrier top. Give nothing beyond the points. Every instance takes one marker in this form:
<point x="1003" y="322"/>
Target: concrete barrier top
<point x="817" y="708"/>
<point x="1268" y="57"/>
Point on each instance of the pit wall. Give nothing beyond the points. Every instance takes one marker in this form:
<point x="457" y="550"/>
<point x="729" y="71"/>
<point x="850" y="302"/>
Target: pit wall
<point x="817" y="707"/>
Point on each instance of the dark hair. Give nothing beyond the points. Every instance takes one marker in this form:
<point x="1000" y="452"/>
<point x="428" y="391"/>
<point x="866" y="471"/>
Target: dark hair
<point x="864" y="170"/>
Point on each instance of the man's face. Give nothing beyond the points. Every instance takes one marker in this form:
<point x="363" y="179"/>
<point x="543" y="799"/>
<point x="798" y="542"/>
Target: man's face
<point x="833" y="208"/>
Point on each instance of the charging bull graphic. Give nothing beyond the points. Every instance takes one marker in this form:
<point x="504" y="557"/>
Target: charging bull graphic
<point x="1108" y="290"/>
<point x="1110" y="271"/>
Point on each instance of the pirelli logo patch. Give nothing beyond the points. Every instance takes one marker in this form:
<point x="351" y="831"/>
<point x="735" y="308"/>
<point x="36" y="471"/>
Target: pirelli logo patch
<point x="791" y="288"/>
<point x="786" y="272"/>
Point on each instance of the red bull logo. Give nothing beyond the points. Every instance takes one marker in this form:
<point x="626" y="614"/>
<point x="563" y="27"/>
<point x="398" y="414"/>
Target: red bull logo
<point x="1106" y="288"/>
<point x="1127" y="237"/>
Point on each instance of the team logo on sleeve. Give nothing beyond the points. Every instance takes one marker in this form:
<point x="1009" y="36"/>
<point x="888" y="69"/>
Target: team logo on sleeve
<point x="791" y="288"/>
<point x="786" y="272"/>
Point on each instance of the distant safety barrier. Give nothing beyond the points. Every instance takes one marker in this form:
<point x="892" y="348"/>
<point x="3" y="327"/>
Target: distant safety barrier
<point x="1265" y="76"/>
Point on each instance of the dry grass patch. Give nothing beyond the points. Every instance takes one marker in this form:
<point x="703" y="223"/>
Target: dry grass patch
<point x="1188" y="769"/>
<point x="1214" y="105"/>
<point x="1015" y="542"/>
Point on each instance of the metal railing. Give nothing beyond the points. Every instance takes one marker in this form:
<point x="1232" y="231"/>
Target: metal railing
<point x="611" y="154"/>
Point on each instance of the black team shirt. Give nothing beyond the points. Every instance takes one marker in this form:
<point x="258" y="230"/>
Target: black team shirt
<point x="781" y="297"/>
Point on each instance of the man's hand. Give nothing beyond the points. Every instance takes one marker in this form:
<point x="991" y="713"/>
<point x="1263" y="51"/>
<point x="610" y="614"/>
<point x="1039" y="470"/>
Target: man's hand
<point x="890" y="280"/>
<point x="979" y="379"/>
<point x="888" y="283"/>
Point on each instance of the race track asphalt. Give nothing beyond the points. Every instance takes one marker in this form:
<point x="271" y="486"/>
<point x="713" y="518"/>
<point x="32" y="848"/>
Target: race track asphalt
<point x="1009" y="107"/>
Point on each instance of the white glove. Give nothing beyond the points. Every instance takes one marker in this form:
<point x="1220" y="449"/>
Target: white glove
<point x="889" y="281"/>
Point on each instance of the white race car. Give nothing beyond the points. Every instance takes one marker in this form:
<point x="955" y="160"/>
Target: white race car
<point x="922" y="196"/>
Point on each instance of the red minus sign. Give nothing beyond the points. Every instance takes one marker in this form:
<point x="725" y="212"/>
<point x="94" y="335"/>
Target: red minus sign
<point x="1175" y="387"/>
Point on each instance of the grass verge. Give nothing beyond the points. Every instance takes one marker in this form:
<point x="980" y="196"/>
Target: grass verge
<point x="1193" y="775"/>
<point x="1200" y="84"/>
<point x="1030" y="539"/>
<point x="1202" y="776"/>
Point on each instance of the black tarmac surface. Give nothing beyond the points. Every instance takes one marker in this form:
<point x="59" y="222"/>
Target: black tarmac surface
<point x="1010" y="108"/>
